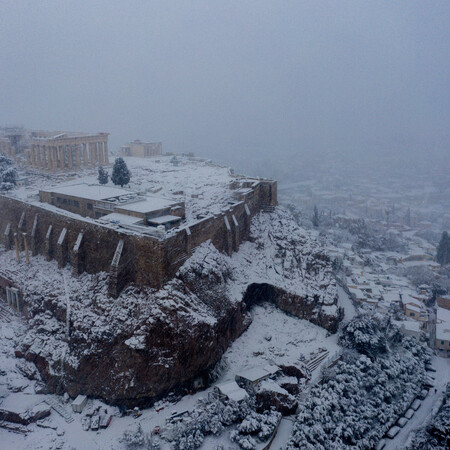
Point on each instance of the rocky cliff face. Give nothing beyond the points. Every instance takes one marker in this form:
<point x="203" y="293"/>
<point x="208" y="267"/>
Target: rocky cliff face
<point x="146" y="343"/>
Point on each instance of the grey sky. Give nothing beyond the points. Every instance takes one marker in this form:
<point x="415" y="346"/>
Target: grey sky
<point x="232" y="78"/>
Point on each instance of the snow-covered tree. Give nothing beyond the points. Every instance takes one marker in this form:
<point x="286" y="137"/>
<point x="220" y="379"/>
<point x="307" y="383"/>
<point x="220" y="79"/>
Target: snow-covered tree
<point x="120" y="174"/>
<point x="103" y="175"/>
<point x="315" y="218"/>
<point x="443" y="250"/>
<point x="8" y="173"/>
<point x="364" y="396"/>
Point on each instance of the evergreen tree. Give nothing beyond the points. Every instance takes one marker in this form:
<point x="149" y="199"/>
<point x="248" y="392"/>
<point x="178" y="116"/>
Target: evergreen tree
<point x="120" y="174"/>
<point x="103" y="175"/>
<point x="315" y="217"/>
<point x="8" y="173"/>
<point x="408" y="217"/>
<point x="443" y="250"/>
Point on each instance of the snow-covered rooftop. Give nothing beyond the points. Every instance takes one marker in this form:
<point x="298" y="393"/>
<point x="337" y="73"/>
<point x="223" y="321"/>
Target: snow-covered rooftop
<point x="232" y="391"/>
<point x="122" y="219"/>
<point x="254" y="374"/>
<point x="89" y="191"/>
<point x="149" y="204"/>
<point x="204" y="187"/>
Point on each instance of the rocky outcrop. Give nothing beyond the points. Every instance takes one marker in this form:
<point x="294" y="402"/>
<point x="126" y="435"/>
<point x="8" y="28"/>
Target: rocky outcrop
<point x="299" y="306"/>
<point x="146" y="343"/>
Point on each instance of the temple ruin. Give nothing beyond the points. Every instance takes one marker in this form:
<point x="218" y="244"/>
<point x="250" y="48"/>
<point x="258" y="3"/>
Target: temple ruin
<point x="68" y="151"/>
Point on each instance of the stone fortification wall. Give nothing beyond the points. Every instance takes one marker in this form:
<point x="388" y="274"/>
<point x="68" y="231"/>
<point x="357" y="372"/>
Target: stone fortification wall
<point x="127" y="257"/>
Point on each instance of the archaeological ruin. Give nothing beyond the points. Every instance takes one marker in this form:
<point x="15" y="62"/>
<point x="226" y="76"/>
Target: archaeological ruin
<point x="54" y="151"/>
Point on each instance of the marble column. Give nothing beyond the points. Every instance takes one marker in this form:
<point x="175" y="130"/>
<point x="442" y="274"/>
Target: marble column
<point x="43" y="157"/>
<point x="100" y="153"/>
<point x="55" y="157"/>
<point x="78" y="151"/>
<point x="48" y="150"/>
<point x="69" y="150"/>
<point x="92" y="149"/>
<point x="105" y="146"/>
<point x="38" y="156"/>
<point x="60" y="153"/>
<point x="85" y="155"/>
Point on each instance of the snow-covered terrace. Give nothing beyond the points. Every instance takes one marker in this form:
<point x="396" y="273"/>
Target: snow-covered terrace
<point x="202" y="185"/>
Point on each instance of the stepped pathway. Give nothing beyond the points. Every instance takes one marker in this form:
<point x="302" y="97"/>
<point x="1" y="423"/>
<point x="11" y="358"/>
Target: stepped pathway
<point x="314" y="363"/>
<point x="59" y="409"/>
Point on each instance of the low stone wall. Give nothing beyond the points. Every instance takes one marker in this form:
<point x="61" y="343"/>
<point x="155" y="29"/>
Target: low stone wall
<point x="127" y="257"/>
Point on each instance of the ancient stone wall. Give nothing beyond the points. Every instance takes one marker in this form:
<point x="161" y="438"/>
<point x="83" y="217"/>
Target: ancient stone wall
<point x="128" y="257"/>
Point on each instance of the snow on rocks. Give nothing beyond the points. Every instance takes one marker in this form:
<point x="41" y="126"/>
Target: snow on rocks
<point x="145" y="342"/>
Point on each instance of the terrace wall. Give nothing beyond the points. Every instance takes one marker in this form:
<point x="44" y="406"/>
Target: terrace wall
<point x="145" y="260"/>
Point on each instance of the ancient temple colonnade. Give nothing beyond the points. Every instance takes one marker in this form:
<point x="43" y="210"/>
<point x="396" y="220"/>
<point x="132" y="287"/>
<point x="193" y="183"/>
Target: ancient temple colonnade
<point x="64" y="152"/>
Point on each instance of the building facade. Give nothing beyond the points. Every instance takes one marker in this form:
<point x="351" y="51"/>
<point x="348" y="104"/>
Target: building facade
<point x="68" y="151"/>
<point x="142" y="149"/>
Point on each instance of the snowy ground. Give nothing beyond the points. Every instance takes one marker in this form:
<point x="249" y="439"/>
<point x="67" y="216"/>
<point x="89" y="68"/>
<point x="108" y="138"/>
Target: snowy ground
<point x="203" y="186"/>
<point x="288" y="337"/>
<point x="281" y="343"/>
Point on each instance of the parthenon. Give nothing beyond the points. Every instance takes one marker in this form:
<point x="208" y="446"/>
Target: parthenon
<point x="68" y="151"/>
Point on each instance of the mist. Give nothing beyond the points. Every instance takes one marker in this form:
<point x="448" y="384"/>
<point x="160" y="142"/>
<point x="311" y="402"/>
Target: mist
<point x="253" y="84"/>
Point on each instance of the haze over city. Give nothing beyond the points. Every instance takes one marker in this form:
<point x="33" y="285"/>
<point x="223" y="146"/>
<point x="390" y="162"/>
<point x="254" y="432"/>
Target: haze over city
<point x="233" y="80"/>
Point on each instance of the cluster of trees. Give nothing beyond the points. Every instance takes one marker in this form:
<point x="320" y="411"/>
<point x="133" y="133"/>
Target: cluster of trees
<point x="364" y="394"/>
<point x="255" y="428"/>
<point x="209" y="420"/>
<point x="121" y="175"/>
<point x="212" y="418"/>
<point x="8" y="173"/>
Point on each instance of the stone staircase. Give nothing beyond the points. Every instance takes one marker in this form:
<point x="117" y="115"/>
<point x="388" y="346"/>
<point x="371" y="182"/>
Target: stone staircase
<point x="54" y="404"/>
<point x="314" y="363"/>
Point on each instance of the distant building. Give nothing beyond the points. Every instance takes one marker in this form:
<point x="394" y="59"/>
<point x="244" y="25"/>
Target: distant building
<point x="442" y="342"/>
<point x="250" y="378"/>
<point x="414" y="309"/>
<point x="142" y="149"/>
<point x="443" y="301"/>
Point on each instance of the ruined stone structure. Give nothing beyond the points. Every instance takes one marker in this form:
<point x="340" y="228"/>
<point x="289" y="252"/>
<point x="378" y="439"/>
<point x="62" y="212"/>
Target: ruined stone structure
<point x="68" y="151"/>
<point x="142" y="149"/>
<point x="6" y="148"/>
<point x="129" y="256"/>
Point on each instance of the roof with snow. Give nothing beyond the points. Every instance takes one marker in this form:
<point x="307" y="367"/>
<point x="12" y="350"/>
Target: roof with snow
<point x="121" y="219"/>
<point x="255" y="374"/>
<point x="89" y="191"/>
<point x="149" y="204"/>
<point x="231" y="390"/>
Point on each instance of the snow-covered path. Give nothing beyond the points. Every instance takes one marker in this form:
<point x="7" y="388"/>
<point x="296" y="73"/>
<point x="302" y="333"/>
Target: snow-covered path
<point x="346" y="303"/>
<point x="283" y="433"/>
<point x="424" y="413"/>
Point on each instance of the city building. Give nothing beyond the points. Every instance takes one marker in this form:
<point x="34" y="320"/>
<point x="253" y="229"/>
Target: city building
<point x="115" y="205"/>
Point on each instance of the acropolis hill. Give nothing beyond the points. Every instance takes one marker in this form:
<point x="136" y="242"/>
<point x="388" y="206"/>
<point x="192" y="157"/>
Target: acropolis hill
<point x="158" y="277"/>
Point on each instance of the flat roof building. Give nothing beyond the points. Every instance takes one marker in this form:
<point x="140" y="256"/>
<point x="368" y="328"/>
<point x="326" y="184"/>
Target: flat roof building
<point x="115" y="205"/>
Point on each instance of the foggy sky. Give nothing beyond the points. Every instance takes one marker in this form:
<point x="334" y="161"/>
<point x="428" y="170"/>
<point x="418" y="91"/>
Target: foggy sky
<point x="232" y="79"/>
